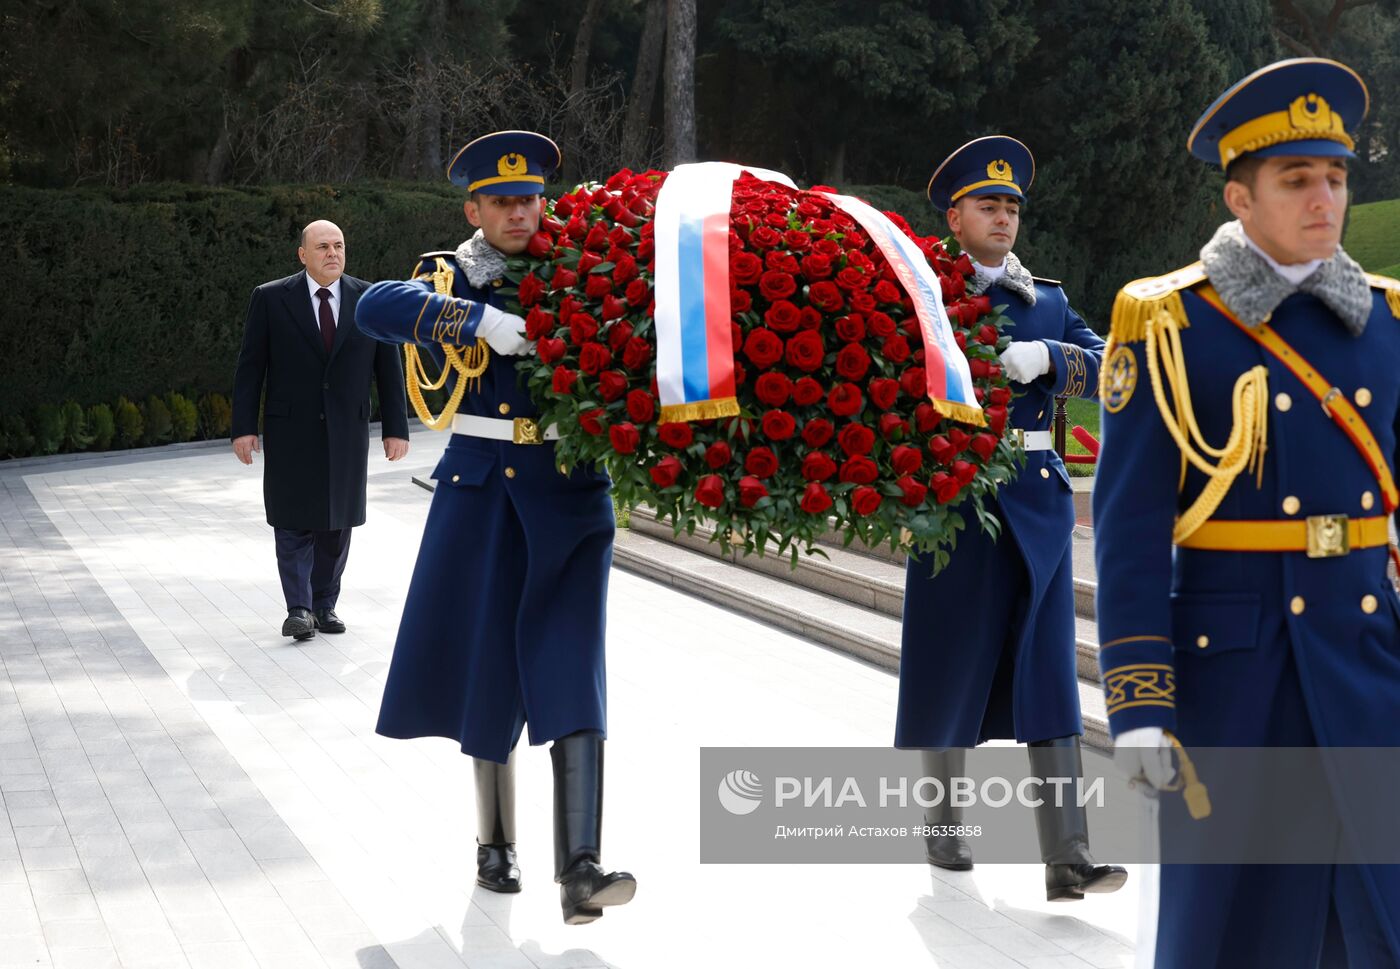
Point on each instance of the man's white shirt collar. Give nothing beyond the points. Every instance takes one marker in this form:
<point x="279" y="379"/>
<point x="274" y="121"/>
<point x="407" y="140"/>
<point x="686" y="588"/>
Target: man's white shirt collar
<point x="992" y="273"/>
<point x="334" y="287"/>
<point x="1294" y="273"/>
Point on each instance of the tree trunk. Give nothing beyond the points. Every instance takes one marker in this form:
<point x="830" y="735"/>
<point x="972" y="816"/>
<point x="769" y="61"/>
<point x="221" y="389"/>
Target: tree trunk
<point x="636" y="128"/>
<point x="835" y="169"/>
<point x="680" y="82"/>
<point x="578" y="83"/>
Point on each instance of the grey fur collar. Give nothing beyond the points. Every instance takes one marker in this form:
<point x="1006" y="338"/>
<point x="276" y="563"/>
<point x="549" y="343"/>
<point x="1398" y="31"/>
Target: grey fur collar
<point x="1017" y="278"/>
<point x="1252" y="290"/>
<point x="481" y="261"/>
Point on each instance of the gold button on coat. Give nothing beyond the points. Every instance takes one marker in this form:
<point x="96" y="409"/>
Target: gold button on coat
<point x="1203" y="641"/>
<point x="1291" y="505"/>
<point x="504" y="408"/>
<point x="510" y="472"/>
<point x="1368" y="604"/>
<point x="456" y="478"/>
<point x="1283" y="401"/>
<point x="1363" y="396"/>
<point x="1297" y="605"/>
<point x="1045" y="472"/>
<point x="1367" y="500"/>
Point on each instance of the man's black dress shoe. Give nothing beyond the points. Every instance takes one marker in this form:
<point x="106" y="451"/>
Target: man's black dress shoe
<point x="299" y="624"/>
<point x="496" y="868"/>
<point x="328" y="622"/>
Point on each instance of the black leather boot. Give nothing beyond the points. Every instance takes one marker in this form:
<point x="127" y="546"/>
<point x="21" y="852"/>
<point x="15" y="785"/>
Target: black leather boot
<point x="1070" y="870"/>
<point x="945" y="850"/>
<point x="496" y="867"/>
<point x="584" y="887"/>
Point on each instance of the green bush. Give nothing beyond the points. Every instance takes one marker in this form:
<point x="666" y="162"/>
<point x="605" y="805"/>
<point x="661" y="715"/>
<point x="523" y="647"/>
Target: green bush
<point x="48" y="429"/>
<point x="215" y="416"/>
<point x="156" y="417"/>
<point x="130" y="425"/>
<point x="100" y="426"/>
<point x="184" y="419"/>
<point x="75" y="430"/>
<point x="18" y="441"/>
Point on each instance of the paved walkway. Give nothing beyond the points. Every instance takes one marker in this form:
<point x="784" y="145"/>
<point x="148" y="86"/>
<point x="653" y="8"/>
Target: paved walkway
<point x="181" y="787"/>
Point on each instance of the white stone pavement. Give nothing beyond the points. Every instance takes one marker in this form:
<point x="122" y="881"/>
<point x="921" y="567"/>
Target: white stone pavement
<point x="181" y="786"/>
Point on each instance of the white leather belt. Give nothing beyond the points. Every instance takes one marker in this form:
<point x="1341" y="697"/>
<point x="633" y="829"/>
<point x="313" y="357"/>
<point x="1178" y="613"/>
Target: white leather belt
<point x="519" y="430"/>
<point x="1035" y="440"/>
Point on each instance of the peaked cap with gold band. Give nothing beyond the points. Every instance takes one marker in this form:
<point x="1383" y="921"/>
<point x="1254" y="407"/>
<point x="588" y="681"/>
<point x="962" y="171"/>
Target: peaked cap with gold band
<point x="506" y="163"/>
<point x="994" y="165"/>
<point x="1302" y="106"/>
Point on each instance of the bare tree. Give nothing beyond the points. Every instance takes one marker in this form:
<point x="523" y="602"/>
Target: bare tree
<point x="636" y="128"/>
<point x="578" y="81"/>
<point x="680" y="82"/>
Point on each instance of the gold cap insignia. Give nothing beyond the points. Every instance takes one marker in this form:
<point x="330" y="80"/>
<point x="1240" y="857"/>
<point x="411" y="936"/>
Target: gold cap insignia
<point x="1311" y="112"/>
<point x="999" y="170"/>
<point x="512" y="164"/>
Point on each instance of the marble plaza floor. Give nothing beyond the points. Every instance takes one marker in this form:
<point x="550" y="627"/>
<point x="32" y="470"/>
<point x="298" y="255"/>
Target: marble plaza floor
<point x="182" y="787"/>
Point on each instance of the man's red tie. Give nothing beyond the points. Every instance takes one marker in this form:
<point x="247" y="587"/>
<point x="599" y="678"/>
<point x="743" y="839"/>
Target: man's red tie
<point x="327" y="318"/>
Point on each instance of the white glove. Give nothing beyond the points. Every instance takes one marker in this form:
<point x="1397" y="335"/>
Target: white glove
<point x="503" y="332"/>
<point x="1145" y="754"/>
<point x="1026" y="360"/>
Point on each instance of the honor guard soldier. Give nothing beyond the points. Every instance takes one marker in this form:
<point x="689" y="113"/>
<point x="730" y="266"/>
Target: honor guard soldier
<point x="1007" y="671"/>
<point x="1241" y="512"/>
<point x="503" y="628"/>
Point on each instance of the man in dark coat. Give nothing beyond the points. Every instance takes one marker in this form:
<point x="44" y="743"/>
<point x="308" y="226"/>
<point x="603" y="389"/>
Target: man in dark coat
<point x="1007" y="671"/>
<point x="504" y="625"/>
<point x="300" y="339"/>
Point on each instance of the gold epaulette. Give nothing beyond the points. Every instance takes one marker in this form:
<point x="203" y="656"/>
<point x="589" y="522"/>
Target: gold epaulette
<point x="1391" y="288"/>
<point x="430" y="263"/>
<point x="1143" y="299"/>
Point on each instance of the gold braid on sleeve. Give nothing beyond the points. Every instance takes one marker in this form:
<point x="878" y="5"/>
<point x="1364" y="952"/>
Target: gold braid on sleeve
<point x="469" y="363"/>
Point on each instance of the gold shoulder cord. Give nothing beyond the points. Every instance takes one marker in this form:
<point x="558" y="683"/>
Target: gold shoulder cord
<point x="469" y="364"/>
<point x="1158" y="322"/>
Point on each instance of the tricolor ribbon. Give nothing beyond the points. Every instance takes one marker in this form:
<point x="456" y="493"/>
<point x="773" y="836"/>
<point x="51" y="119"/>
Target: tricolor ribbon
<point x="945" y="366"/>
<point x="694" y="339"/>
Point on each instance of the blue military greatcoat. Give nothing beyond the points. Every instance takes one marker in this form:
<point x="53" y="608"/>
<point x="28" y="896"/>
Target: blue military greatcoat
<point x="988" y="646"/>
<point x="504" y="621"/>
<point x="1242" y="647"/>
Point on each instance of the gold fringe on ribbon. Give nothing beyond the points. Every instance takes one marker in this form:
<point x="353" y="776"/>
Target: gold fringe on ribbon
<point x="965" y="413"/>
<point x="1392" y="299"/>
<point x="469" y="363"/>
<point x="700" y="410"/>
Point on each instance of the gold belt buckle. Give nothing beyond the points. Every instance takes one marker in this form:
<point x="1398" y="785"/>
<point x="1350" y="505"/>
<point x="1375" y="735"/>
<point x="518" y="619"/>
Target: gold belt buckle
<point x="1020" y="437"/>
<point x="1328" y="536"/>
<point x="526" y="431"/>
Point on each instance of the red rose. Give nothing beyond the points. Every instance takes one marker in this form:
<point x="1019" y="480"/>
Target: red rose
<point x="895" y="349"/>
<point x="945" y="487"/>
<point x="597" y="238"/>
<point x="851" y="328"/>
<point x="963" y="265"/>
<point x="751" y="491"/>
<point x="778" y="425"/>
<point x="773" y="388"/>
<point x="613" y="308"/>
<point x="591" y="421"/>
<point x="761" y="461"/>
<point x="887" y="292"/>
<point x="865" y="500"/>
<point x="709" y="491"/>
<point x="745" y="268"/>
<point x="996" y="418"/>
<point x="892" y="425"/>
<point x="782" y="316"/>
<point x="540" y="245"/>
<point x="914" y="491"/>
<point x="666" y="471"/>
<point x="638" y="292"/>
<point x="564" y="380"/>
<point x="816" y="266"/>
<point x="740" y="374"/>
<point x="851" y="279"/>
<point x="675" y="434"/>
<point x="914" y="382"/>
<point x="925" y="417"/>
<point x="806" y="391"/>
<point x="612" y="384"/>
<point x="764" y="238"/>
<point x="942" y="449"/>
<point x="883" y="392"/>
<point x="805" y="350"/>
<point x="964" y="471"/>
<point x="825" y="296"/>
<point x="863" y="302"/>
<point x="618" y="335"/>
<point x="816" y="466"/>
<point x="641" y="406"/>
<point x="624" y="269"/>
<point x="637" y="353"/>
<point x="982" y="304"/>
<point x="586" y="261"/>
<point x="582" y="328"/>
<point x="717" y="455"/>
<point x="740" y="301"/>
<point x="1001" y="395"/>
<point x="551" y="349"/>
<point x="905" y="459"/>
<point x="852" y="362"/>
<point x="815" y="500"/>
<point x="597" y="286"/>
<point x="978" y="369"/>
<point x="776" y="285"/>
<point x="538" y="323"/>
<point x="881" y="324"/>
<point x="797" y="240"/>
<point x="856" y="439"/>
<point x="563" y="278"/>
<point x="844" y="400"/>
<point x="859" y="470"/>
<point x="817" y="432"/>
<point x="624" y="438"/>
<point x="810" y="319"/>
<point x="531" y="289"/>
<point x="593" y="358"/>
<point x="984" y="445"/>
<point x="987" y="335"/>
<point x="763" y="347"/>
